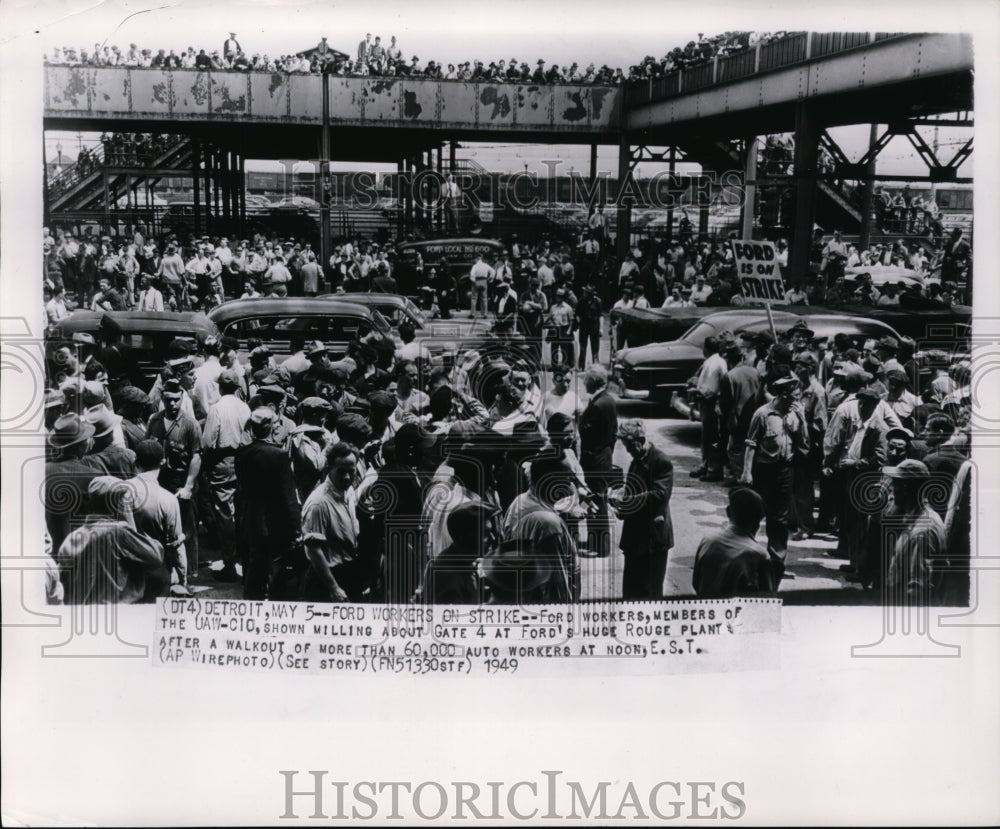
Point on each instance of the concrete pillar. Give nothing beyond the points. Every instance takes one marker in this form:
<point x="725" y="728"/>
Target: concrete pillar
<point x="325" y="240"/>
<point x="749" y="189"/>
<point x="624" y="229"/>
<point x="399" y="188"/>
<point x="807" y="133"/>
<point x="868" y="194"/>
<point x="196" y="180"/>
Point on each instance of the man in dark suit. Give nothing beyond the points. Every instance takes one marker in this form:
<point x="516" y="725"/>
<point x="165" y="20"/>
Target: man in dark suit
<point x="267" y="507"/>
<point x="598" y="432"/>
<point x="644" y="507"/>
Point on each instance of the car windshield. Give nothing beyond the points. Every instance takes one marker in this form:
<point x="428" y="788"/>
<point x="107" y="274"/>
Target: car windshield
<point x="699" y="332"/>
<point x="381" y="323"/>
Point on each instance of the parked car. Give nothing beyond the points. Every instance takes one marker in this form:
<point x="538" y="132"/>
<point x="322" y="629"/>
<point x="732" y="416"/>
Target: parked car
<point x="458" y="255"/>
<point x="296" y="203"/>
<point x="145" y="334"/>
<point x="274" y="321"/>
<point x="257" y="203"/>
<point x="660" y="371"/>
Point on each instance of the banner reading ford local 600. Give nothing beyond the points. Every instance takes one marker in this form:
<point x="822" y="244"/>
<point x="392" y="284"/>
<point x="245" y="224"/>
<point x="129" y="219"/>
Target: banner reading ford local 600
<point x="758" y="272"/>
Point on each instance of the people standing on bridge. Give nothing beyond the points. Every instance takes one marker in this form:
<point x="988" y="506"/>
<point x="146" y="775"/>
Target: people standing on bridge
<point x="231" y="47"/>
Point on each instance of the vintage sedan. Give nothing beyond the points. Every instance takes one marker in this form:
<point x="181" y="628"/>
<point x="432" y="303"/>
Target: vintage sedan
<point x="145" y="335"/>
<point x="657" y="371"/>
<point x="276" y="321"/>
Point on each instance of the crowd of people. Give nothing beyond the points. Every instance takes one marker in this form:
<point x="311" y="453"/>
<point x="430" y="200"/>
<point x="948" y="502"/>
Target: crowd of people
<point x="881" y="436"/>
<point x="372" y="57"/>
<point x="692" y="272"/>
<point x="375" y="475"/>
<point x="377" y="58"/>
<point x="701" y="51"/>
<point x="493" y="476"/>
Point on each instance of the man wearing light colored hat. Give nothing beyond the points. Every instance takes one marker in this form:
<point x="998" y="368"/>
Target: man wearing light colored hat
<point x="918" y="558"/>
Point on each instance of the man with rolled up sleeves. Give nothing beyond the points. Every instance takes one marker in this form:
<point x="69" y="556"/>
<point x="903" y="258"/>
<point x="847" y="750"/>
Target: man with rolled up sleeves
<point x="777" y="432"/>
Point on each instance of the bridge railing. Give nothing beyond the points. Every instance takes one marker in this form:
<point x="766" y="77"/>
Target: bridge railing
<point x="115" y="92"/>
<point x="796" y="48"/>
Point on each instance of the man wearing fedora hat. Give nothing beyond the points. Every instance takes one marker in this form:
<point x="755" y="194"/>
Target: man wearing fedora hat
<point x="117" y="461"/>
<point x="68" y="475"/>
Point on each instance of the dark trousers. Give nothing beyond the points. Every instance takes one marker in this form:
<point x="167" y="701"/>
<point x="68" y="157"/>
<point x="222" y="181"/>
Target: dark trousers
<point x="643" y="574"/>
<point x="773" y="482"/>
<point x="598" y="525"/>
<point x="261" y="557"/>
<point x="218" y="514"/>
<point x="829" y="501"/>
<point x="189" y="523"/>
<point x="711" y="453"/>
<point x="804" y="473"/>
<point x="591" y="333"/>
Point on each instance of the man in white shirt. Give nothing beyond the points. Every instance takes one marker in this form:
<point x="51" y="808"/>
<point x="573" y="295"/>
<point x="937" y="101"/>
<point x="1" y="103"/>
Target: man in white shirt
<point x="675" y="300"/>
<point x="481" y="274"/>
<point x="224" y="433"/>
<point x="55" y="308"/>
<point x="701" y="292"/>
<point x="149" y="299"/>
<point x="707" y="383"/>
<point x="560" y="398"/>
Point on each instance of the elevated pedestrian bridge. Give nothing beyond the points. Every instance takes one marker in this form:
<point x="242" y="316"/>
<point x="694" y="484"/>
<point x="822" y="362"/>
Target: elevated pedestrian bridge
<point x="853" y="77"/>
<point x="104" y="97"/>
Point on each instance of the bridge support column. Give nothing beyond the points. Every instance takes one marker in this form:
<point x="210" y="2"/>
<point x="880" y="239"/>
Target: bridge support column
<point x="623" y="233"/>
<point x="196" y="180"/>
<point x="807" y="133"/>
<point x="326" y="189"/>
<point x="749" y="189"/>
<point x="868" y="193"/>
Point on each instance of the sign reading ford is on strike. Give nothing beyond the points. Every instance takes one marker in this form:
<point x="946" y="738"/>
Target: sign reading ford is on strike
<point x="758" y="272"/>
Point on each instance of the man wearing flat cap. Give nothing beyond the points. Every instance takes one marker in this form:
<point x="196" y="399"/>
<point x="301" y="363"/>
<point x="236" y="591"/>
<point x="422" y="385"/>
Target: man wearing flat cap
<point x="777" y="433"/>
<point x="807" y="468"/>
<point x="918" y="558"/>
<point x="180" y="436"/>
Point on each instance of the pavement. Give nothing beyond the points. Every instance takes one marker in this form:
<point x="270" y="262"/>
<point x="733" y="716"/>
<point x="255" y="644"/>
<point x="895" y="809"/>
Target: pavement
<point x="696" y="507"/>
